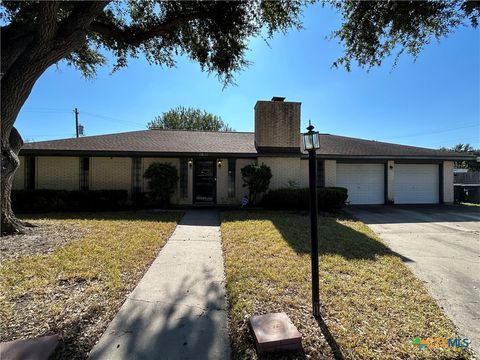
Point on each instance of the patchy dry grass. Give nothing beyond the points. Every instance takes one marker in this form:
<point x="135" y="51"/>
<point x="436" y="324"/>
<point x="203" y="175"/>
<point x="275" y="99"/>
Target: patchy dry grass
<point x="372" y="304"/>
<point x="77" y="289"/>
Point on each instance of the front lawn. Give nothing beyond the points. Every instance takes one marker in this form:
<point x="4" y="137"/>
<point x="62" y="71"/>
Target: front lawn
<point x="73" y="272"/>
<point x="372" y="305"/>
<point x="469" y="204"/>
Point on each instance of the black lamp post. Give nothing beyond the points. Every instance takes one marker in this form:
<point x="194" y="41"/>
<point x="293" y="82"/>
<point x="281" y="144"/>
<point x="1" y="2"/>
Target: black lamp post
<point x="311" y="142"/>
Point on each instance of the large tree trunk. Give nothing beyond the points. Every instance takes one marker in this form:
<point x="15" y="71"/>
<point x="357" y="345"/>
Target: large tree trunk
<point x="24" y="59"/>
<point x="10" y="163"/>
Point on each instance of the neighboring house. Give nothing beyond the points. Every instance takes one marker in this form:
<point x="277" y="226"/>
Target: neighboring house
<point x="209" y="163"/>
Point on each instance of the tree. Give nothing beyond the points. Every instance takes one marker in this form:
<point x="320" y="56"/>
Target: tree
<point x="256" y="178"/>
<point x="373" y="30"/>
<point x="38" y="34"/>
<point x="472" y="165"/>
<point x="162" y="181"/>
<point x="188" y="119"/>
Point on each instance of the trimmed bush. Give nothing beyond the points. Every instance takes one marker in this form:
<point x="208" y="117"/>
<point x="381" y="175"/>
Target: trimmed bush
<point x="329" y="198"/>
<point x="162" y="181"/>
<point x="61" y="200"/>
<point x="256" y="178"/>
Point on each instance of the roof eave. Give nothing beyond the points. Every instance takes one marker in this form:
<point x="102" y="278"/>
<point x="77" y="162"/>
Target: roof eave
<point x="110" y="153"/>
<point x="394" y="157"/>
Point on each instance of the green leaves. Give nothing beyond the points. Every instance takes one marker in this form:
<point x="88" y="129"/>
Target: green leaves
<point x="162" y="181"/>
<point x="256" y="178"/>
<point x="183" y="118"/>
<point x="374" y="30"/>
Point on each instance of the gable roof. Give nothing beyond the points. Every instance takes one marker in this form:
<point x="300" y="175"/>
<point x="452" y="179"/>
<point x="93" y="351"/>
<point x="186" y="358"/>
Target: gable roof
<point x="211" y="143"/>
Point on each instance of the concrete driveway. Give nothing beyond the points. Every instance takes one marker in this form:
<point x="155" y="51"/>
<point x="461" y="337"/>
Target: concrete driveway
<point x="441" y="244"/>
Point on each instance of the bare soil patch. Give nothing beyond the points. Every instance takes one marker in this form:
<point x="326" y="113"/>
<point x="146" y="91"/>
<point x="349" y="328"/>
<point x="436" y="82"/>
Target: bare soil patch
<point x="45" y="238"/>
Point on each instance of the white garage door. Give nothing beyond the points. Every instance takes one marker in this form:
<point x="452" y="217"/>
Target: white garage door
<point x="365" y="182"/>
<point x="415" y="184"/>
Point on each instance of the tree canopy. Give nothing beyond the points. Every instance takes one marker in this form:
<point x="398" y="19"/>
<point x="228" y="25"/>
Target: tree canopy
<point x="182" y="118"/>
<point x="373" y="30"/>
<point x="466" y="148"/>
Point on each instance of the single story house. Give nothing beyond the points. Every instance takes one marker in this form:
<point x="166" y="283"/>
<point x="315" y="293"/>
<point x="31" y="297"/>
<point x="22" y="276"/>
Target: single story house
<point x="209" y="163"/>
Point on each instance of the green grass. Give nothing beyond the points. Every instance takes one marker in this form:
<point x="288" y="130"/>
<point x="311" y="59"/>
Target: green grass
<point x="372" y="304"/>
<point x="469" y="204"/>
<point x="77" y="289"/>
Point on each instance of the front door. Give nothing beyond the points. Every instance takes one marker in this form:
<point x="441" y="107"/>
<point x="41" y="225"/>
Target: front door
<point x="204" y="181"/>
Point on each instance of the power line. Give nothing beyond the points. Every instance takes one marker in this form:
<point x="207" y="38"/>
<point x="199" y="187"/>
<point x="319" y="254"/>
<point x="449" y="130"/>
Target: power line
<point x="66" y="111"/>
<point x="34" y="108"/>
<point x="109" y="118"/>
<point x="431" y="132"/>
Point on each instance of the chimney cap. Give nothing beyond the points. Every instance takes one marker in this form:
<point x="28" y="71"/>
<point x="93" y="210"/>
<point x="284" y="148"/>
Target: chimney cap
<point x="278" y="98"/>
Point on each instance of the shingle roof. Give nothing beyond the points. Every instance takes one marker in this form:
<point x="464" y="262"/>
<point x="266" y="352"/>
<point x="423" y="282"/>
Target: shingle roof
<point x="342" y="146"/>
<point x="176" y="142"/>
<point x="153" y="141"/>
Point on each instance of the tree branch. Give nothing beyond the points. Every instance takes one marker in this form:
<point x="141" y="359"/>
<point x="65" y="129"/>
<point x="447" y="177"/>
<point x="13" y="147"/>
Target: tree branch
<point x="81" y="16"/>
<point x="47" y="20"/>
<point x="136" y="36"/>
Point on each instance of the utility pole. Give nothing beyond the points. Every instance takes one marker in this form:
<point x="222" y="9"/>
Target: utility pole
<point x="76" y="121"/>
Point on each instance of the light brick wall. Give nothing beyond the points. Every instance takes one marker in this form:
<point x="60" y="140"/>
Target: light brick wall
<point x="448" y="181"/>
<point x="286" y="170"/>
<point x="277" y="124"/>
<point x="57" y="172"/>
<point x="390" y="180"/>
<point x="330" y="173"/>
<point x="19" y="177"/>
<point x="111" y="173"/>
<point x="222" y="183"/>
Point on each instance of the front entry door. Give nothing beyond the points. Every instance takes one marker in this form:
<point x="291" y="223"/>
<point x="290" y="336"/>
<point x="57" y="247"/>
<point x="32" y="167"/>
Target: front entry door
<point x="204" y="181"/>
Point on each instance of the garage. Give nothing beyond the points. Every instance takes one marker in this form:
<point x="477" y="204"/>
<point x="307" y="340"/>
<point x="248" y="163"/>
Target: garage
<point x="365" y="182"/>
<point x="416" y="184"/>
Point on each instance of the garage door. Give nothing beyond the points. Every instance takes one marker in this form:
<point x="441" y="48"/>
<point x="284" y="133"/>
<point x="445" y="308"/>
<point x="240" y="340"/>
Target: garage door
<point x="415" y="184"/>
<point x="365" y="182"/>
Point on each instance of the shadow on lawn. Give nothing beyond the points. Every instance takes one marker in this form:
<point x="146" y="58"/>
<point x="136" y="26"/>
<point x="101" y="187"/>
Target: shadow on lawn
<point x="334" y="237"/>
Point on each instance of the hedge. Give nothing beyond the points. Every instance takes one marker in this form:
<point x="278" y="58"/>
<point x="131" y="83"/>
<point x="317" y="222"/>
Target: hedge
<point x="329" y="198"/>
<point x="61" y="200"/>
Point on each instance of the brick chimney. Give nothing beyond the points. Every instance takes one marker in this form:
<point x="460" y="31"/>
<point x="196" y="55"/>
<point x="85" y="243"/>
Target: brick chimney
<point x="277" y="125"/>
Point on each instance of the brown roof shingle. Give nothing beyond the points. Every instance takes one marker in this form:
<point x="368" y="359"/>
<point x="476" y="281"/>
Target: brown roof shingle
<point x="182" y="142"/>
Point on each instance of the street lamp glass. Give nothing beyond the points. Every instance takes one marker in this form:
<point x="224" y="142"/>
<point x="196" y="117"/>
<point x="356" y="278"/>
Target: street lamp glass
<point x="311" y="140"/>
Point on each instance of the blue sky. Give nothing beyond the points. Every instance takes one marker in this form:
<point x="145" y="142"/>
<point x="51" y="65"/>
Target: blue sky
<point x="432" y="102"/>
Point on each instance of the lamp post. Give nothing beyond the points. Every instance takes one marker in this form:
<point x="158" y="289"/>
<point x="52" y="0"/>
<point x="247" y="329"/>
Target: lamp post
<point x="311" y="142"/>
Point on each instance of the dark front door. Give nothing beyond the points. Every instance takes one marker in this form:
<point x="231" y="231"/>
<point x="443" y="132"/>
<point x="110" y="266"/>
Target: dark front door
<point x="204" y="181"/>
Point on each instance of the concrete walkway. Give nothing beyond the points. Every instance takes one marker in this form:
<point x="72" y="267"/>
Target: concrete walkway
<point x="178" y="310"/>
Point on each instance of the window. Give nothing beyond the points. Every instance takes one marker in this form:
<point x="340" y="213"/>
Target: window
<point x="231" y="177"/>
<point x="320" y="173"/>
<point x="30" y="172"/>
<point x="136" y="174"/>
<point x="184" y="178"/>
<point x="84" y="173"/>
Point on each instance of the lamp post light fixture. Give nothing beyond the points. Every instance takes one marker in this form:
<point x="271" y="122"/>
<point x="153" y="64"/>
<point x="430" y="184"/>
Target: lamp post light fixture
<point x="311" y="142"/>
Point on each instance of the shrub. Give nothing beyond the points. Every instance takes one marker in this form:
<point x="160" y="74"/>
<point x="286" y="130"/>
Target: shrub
<point x="61" y="200"/>
<point x="329" y="198"/>
<point x="162" y="181"/>
<point x="256" y="178"/>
